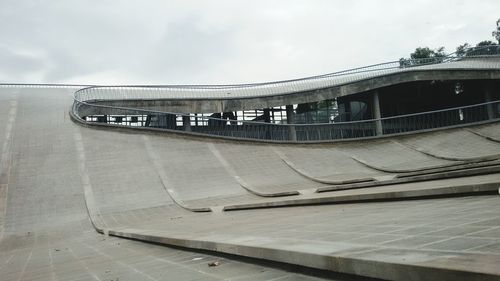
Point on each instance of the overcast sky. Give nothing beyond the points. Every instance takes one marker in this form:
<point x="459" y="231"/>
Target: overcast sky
<point x="223" y="41"/>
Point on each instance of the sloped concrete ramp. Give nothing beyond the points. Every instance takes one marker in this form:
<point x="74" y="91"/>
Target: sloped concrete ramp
<point x="61" y="182"/>
<point x="45" y="231"/>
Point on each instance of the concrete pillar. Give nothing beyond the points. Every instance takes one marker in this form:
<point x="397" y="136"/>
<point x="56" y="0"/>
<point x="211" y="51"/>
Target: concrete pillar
<point x="289" y="114"/>
<point x="186" y="123"/>
<point x="267" y="115"/>
<point x="344" y="110"/>
<point x="487" y="98"/>
<point x="377" y="114"/>
<point x="289" y="120"/>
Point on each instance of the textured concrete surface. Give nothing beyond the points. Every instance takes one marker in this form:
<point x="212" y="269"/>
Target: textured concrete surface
<point x="47" y="234"/>
<point x="151" y="187"/>
<point x="326" y="164"/>
<point x="454" y="145"/>
<point x="491" y="132"/>
<point x="450" y="238"/>
<point x="275" y="176"/>
<point x="397" y="158"/>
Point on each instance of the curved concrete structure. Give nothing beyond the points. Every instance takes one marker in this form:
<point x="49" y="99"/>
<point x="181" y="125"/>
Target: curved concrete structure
<point x="412" y="207"/>
<point x="310" y="110"/>
<point x="46" y="198"/>
<point x="209" y="99"/>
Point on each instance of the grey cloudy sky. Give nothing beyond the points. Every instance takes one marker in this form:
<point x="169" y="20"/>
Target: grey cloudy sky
<point x="223" y="41"/>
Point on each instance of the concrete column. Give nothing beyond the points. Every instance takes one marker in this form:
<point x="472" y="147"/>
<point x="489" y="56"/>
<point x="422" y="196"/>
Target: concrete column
<point x="487" y="98"/>
<point x="267" y="115"/>
<point x="289" y="120"/>
<point x="377" y="114"/>
<point x="186" y="123"/>
<point x="344" y="110"/>
<point x="289" y="114"/>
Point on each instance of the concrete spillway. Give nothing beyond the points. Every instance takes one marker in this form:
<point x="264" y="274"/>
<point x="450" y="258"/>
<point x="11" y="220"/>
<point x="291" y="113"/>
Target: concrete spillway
<point x="60" y="182"/>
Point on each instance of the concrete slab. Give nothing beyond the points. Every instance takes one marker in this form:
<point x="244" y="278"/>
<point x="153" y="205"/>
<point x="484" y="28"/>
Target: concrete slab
<point x="48" y="235"/>
<point x="128" y="174"/>
<point x="405" y="191"/>
<point x="392" y="157"/>
<point x="490" y="131"/>
<point x="326" y="164"/>
<point x="420" y="257"/>
<point x="461" y="145"/>
<point x="261" y="170"/>
<point x="195" y="174"/>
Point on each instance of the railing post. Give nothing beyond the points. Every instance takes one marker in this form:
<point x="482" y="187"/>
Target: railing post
<point x="289" y="120"/>
<point x="292" y="133"/>
<point x="186" y="123"/>
<point x="487" y="98"/>
<point x="377" y="115"/>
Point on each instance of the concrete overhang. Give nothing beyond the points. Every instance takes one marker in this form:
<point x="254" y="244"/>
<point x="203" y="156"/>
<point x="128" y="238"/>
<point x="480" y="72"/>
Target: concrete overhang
<point x="208" y="105"/>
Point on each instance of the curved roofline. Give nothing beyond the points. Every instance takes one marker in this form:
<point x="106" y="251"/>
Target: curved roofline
<point x="470" y="52"/>
<point x="477" y="63"/>
<point x="210" y="105"/>
<point x="173" y="102"/>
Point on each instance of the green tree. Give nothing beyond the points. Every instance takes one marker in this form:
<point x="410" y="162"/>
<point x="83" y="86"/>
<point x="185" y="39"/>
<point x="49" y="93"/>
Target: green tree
<point x="485" y="43"/>
<point x="422" y="53"/>
<point x="439" y="53"/>
<point x="426" y="53"/>
<point x="462" y="49"/>
<point x="496" y="33"/>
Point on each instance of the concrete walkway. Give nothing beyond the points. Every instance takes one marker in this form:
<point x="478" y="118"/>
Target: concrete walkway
<point x="174" y="191"/>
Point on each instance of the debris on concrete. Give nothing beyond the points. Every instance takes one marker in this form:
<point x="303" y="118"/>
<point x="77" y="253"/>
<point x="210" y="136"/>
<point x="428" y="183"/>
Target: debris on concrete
<point x="214" y="263"/>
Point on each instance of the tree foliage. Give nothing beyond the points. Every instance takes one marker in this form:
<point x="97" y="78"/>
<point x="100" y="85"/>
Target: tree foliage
<point x="485" y="43"/>
<point x="428" y="55"/>
<point x="423" y="55"/>
<point x="462" y="49"/>
<point x="496" y="33"/>
<point x="426" y="52"/>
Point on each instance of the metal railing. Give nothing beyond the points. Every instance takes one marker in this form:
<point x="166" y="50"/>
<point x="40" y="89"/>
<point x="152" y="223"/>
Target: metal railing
<point x="87" y="108"/>
<point x="191" y="123"/>
<point x="43" y="85"/>
<point x="234" y="91"/>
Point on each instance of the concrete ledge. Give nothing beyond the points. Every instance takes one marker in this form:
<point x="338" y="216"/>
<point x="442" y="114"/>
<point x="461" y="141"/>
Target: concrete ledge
<point x="401" y="170"/>
<point x="303" y="173"/>
<point x="451" y="168"/>
<point x="264" y="194"/>
<point x="476" y="159"/>
<point x="482" y="135"/>
<point x="374" y="262"/>
<point x="386" y="193"/>
<point x="420" y="177"/>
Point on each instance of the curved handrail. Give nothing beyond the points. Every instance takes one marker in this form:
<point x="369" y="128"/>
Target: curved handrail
<point x="295" y="85"/>
<point x="260" y="131"/>
<point x="469" y="53"/>
<point x="152" y="92"/>
<point x="250" y="122"/>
